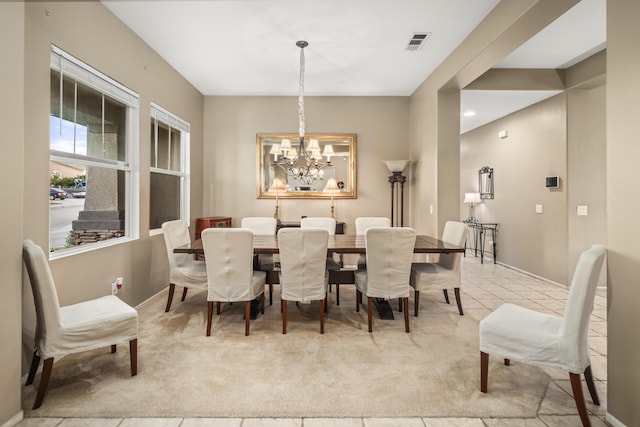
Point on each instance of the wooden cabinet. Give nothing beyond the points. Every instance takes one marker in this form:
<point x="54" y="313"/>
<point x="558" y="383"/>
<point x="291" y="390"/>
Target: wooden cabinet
<point x="212" y="222"/>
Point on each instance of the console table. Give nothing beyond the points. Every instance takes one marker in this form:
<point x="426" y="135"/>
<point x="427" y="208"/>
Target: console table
<point x="480" y="230"/>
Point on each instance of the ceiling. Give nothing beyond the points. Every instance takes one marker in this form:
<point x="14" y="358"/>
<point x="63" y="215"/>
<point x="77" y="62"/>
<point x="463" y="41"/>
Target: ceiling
<point x="356" y="47"/>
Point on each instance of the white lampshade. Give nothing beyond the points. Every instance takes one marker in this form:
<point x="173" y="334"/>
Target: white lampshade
<point x="275" y="149"/>
<point x="396" y="165"/>
<point x="277" y="185"/>
<point x="472" y="198"/>
<point x="313" y="145"/>
<point x="328" y="150"/>
<point x="285" y="144"/>
<point x="331" y="186"/>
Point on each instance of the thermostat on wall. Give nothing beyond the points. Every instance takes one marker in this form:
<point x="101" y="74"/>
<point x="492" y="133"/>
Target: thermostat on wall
<point x="552" y="182"/>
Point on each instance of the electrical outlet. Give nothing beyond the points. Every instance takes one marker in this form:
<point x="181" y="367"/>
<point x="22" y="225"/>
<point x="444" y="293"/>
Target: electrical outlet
<point x="539" y="209"/>
<point x="116" y="285"/>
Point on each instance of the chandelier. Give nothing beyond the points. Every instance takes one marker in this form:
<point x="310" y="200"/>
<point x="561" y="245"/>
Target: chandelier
<point x="304" y="164"/>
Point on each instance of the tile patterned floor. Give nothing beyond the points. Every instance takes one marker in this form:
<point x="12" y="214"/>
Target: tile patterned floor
<point x="485" y="287"/>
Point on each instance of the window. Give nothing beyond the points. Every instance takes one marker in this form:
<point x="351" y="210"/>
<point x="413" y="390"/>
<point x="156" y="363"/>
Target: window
<point x="169" y="188"/>
<point x="93" y="129"/>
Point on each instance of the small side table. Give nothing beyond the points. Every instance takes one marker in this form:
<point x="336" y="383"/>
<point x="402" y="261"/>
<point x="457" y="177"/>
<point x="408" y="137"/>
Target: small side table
<point x="479" y="235"/>
<point x="211" y="222"/>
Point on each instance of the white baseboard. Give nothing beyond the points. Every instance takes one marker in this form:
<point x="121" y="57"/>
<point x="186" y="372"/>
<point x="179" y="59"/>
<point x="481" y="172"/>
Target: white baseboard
<point x="613" y="420"/>
<point x="14" y="420"/>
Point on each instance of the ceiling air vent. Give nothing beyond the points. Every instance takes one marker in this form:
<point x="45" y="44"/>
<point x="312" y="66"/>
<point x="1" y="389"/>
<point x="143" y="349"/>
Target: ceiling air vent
<point x="417" y="40"/>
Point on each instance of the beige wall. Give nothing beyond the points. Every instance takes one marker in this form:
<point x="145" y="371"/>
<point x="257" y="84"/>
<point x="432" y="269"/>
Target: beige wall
<point x="12" y="125"/>
<point x="623" y="203"/>
<point x="91" y="33"/>
<point x="536" y="147"/>
<point x="231" y="125"/>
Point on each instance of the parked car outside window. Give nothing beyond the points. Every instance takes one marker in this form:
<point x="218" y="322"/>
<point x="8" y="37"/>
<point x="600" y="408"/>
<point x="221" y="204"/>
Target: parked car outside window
<point x="56" y="193"/>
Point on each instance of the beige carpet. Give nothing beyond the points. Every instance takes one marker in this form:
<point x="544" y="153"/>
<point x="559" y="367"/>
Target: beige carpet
<point x="347" y="372"/>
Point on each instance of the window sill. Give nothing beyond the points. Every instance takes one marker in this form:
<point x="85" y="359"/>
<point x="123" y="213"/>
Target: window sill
<point x="63" y="253"/>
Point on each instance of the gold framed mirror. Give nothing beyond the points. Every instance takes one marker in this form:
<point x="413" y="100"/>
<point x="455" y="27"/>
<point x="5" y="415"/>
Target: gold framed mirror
<point x="333" y="156"/>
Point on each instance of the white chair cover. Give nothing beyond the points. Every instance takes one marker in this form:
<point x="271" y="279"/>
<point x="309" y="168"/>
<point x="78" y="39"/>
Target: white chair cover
<point x="228" y="256"/>
<point x="389" y="255"/>
<point x="183" y="269"/>
<point x="514" y="332"/>
<point x="88" y="325"/>
<point x="445" y="274"/>
<point x="260" y="226"/>
<point x="365" y="223"/>
<point x="323" y="223"/>
<point x="303" y="256"/>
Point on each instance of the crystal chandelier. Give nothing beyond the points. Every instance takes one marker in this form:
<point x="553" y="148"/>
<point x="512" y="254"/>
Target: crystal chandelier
<point x="305" y="164"/>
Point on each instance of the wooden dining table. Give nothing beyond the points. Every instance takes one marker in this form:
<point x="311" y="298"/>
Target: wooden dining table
<point x="341" y="244"/>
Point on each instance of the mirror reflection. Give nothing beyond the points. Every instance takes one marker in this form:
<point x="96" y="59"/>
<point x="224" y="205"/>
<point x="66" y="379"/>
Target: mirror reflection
<point x="485" y="182"/>
<point x="322" y="168"/>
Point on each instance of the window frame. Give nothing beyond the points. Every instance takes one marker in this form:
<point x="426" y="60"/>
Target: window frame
<point x="160" y="114"/>
<point x="68" y="65"/>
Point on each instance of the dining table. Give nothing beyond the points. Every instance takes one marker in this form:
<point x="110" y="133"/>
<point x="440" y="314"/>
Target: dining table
<point x="341" y="244"/>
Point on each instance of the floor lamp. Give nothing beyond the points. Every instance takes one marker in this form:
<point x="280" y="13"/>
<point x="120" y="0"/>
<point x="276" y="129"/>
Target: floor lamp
<point x="397" y="181"/>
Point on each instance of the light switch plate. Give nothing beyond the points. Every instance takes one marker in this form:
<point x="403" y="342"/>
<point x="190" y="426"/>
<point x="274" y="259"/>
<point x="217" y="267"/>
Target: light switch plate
<point x="582" y="210"/>
<point x="539" y="208"/>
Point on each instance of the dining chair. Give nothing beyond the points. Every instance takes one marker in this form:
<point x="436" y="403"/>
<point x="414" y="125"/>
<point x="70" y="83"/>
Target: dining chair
<point x="516" y="333"/>
<point x="303" y="269"/>
<point x="365" y="223"/>
<point x="87" y="325"/>
<point x="444" y="274"/>
<point x="263" y="226"/>
<point x="389" y="255"/>
<point x="333" y="265"/>
<point x="228" y="254"/>
<point x="184" y="270"/>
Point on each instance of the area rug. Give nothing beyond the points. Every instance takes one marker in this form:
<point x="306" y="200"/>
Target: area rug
<point x="433" y="371"/>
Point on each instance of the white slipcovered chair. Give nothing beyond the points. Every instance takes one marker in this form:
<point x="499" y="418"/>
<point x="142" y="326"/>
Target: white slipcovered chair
<point x="263" y="226"/>
<point x="184" y="270"/>
<point x="389" y="255"/>
<point x="228" y="254"/>
<point x="87" y="325"/>
<point x="303" y="275"/>
<point x="512" y="332"/>
<point x="365" y="223"/>
<point x="444" y="274"/>
<point x="329" y="224"/>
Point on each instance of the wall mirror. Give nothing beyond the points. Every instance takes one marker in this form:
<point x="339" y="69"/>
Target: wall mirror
<point x="336" y="154"/>
<point x="485" y="182"/>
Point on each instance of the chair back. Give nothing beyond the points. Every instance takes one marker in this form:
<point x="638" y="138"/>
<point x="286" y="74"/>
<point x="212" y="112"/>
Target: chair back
<point x="176" y="233"/>
<point x="454" y="233"/>
<point x="303" y="263"/>
<point x="575" y="325"/>
<point x="45" y="298"/>
<point x="260" y="226"/>
<point x="228" y="254"/>
<point x="365" y="223"/>
<point x="323" y="223"/>
<point x="389" y="258"/>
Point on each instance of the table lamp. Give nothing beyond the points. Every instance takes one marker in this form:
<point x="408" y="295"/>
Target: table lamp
<point x="277" y="185"/>
<point x="332" y="187"/>
<point x="471" y="199"/>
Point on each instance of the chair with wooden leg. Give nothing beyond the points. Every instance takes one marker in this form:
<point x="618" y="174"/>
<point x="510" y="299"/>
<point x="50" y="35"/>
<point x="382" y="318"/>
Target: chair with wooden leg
<point x="228" y="254"/>
<point x="515" y="333"/>
<point x="184" y="270"/>
<point x="444" y="274"/>
<point x="389" y="255"/>
<point x="87" y="325"/>
<point x="303" y="269"/>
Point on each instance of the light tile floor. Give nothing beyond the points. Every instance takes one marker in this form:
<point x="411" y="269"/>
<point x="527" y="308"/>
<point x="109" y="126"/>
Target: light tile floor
<point x="485" y="287"/>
